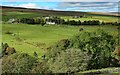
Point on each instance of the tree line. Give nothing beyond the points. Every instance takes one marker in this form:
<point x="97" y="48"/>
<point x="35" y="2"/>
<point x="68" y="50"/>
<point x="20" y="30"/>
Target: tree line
<point x="58" y="20"/>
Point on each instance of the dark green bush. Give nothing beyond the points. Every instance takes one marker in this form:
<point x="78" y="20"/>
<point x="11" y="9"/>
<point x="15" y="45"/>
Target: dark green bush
<point x="23" y="63"/>
<point x="17" y="63"/>
<point x="100" y="44"/>
<point x="58" y="47"/>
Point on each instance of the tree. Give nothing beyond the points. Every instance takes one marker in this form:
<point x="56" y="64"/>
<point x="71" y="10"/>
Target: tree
<point x="100" y="44"/>
<point x="79" y="22"/>
<point x="43" y="22"/>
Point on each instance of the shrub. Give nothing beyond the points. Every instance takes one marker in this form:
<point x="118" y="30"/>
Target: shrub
<point x="69" y="61"/>
<point x="17" y="63"/>
<point x="6" y="50"/>
<point x="81" y="29"/>
<point x="117" y="53"/>
<point x="57" y="47"/>
<point x="10" y="50"/>
<point x="23" y="63"/>
<point x="41" y="68"/>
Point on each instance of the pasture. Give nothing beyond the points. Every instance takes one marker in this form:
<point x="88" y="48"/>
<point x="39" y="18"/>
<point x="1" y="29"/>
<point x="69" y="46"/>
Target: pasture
<point x="36" y="38"/>
<point x="9" y="15"/>
<point x="89" y="17"/>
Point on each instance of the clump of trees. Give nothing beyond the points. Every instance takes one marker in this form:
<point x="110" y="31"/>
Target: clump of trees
<point x="33" y="21"/>
<point x="55" y="19"/>
<point x="58" y="20"/>
<point x="91" y="22"/>
<point x="98" y="45"/>
<point x="110" y="23"/>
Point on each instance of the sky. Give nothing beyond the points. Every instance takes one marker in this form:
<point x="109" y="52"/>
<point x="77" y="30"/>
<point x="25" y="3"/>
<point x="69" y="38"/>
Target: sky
<point x="69" y="5"/>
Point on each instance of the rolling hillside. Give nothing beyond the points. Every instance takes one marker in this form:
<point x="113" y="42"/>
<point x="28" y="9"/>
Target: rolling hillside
<point x="44" y="12"/>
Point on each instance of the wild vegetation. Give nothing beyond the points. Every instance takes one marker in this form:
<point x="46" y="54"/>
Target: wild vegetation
<point x="73" y="44"/>
<point x="66" y="56"/>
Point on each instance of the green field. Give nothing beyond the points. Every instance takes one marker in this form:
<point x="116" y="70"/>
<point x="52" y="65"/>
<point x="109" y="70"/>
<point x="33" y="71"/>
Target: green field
<point x="89" y="17"/>
<point x="36" y="38"/>
<point x="16" y="14"/>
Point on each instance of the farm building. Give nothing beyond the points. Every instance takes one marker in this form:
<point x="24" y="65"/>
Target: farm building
<point x="11" y="20"/>
<point x="50" y="22"/>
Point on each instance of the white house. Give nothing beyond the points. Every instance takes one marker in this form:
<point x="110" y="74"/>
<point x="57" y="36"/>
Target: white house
<point x="50" y="22"/>
<point x="47" y="17"/>
<point x="11" y="20"/>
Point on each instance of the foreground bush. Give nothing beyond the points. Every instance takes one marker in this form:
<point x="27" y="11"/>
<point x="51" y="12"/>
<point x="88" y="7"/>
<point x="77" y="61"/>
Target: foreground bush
<point x="17" y="63"/>
<point x="23" y="63"/>
<point x="41" y="68"/>
<point x="69" y="61"/>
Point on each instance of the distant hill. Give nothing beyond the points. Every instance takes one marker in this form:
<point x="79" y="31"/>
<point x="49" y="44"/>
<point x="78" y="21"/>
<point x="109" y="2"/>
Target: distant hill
<point x="52" y="12"/>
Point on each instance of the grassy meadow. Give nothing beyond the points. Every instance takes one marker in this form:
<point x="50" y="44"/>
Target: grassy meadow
<point x="36" y="38"/>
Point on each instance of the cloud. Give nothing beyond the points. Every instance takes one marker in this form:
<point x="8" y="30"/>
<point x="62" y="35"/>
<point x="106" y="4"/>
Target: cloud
<point x="60" y="0"/>
<point x="89" y="0"/>
<point x="28" y="5"/>
<point x="89" y="6"/>
<point x="70" y="6"/>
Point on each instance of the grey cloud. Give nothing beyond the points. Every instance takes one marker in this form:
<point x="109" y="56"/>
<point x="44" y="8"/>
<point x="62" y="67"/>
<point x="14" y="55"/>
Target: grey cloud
<point x="88" y="4"/>
<point x="59" y="0"/>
